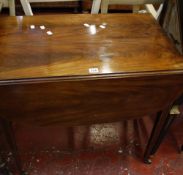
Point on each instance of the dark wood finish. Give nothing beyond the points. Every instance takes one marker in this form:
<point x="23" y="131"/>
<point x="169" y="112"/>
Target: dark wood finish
<point x="45" y="79"/>
<point x="80" y="101"/>
<point x="130" y="44"/>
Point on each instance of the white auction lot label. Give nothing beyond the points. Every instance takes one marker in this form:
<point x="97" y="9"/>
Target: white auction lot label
<point x="93" y="70"/>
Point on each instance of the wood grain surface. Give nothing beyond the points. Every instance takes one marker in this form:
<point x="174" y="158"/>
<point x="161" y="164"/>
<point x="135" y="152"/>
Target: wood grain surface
<point x="115" y="44"/>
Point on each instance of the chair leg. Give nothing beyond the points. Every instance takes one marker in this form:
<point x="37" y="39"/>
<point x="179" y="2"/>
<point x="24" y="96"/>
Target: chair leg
<point x="104" y="6"/>
<point x="12" y="7"/>
<point x="26" y="7"/>
<point x="95" y="6"/>
<point x="10" y="137"/>
<point x="159" y="122"/>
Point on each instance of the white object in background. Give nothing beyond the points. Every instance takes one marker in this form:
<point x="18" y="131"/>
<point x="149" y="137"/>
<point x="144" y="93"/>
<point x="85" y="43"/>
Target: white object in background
<point x="95" y="6"/>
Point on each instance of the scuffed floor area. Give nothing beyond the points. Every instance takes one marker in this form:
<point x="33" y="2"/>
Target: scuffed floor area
<point x="103" y="149"/>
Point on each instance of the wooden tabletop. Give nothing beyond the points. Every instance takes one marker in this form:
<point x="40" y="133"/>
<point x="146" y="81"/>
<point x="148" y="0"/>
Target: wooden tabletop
<point x="84" y="45"/>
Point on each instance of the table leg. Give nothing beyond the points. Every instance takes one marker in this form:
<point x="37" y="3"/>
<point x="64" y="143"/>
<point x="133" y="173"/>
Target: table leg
<point x="159" y="122"/>
<point x="9" y="133"/>
<point x="163" y="133"/>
